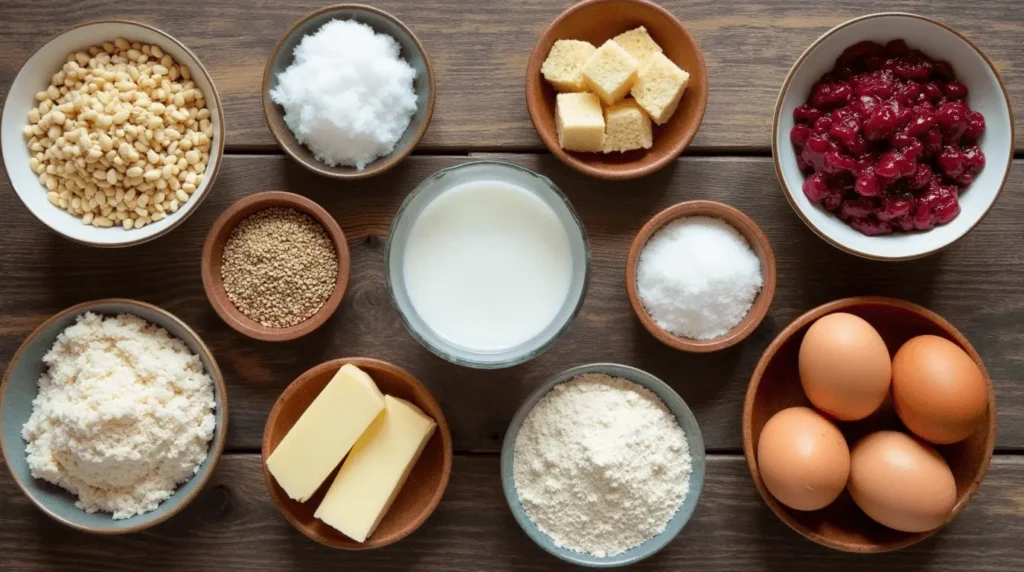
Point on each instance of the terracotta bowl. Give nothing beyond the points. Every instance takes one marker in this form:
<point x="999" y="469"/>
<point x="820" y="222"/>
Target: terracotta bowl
<point x="213" y="252"/>
<point x="423" y="489"/>
<point x="775" y="386"/>
<point x="757" y="241"/>
<point x="597" y="21"/>
<point x="412" y="51"/>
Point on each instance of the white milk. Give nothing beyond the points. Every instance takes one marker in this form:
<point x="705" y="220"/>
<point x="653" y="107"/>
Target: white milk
<point x="487" y="265"/>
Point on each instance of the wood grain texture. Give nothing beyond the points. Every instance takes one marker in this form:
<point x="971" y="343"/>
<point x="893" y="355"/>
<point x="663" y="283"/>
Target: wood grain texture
<point x="233" y="526"/>
<point x="975" y="284"/>
<point x="479" y="51"/>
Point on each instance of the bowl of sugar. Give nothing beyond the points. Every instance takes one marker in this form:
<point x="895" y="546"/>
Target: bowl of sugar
<point x="700" y="276"/>
<point x="487" y="263"/>
<point x="348" y="91"/>
<point x="603" y="465"/>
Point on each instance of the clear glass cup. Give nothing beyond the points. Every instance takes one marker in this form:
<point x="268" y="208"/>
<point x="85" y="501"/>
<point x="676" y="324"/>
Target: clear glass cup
<point x="541" y="187"/>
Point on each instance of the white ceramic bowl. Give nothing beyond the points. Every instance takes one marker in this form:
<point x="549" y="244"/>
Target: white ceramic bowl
<point x="35" y="76"/>
<point x="986" y="95"/>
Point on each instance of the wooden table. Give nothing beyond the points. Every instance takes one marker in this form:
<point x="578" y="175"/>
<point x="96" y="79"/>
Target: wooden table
<point x="479" y="51"/>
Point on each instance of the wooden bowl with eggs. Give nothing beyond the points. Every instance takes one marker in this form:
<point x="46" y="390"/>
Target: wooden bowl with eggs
<point x="776" y="385"/>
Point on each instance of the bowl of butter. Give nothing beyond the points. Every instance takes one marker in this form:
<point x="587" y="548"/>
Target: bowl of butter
<point x="356" y="453"/>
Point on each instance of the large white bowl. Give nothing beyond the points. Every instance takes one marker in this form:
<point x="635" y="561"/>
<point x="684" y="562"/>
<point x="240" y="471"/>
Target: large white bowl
<point x="986" y="95"/>
<point x="35" y="76"/>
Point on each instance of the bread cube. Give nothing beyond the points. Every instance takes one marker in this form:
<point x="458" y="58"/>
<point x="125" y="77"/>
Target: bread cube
<point x="564" y="65"/>
<point x="627" y="127"/>
<point x="639" y="44"/>
<point x="659" y="88"/>
<point x="610" y="72"/>
<point x="580" y="122"/>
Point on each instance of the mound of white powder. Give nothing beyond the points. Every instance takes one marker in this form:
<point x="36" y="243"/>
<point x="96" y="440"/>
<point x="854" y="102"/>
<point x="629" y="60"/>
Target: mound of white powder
<point x="123" y="416"/>
<point x="601" y="465"/>
<point x="348" y="96"/>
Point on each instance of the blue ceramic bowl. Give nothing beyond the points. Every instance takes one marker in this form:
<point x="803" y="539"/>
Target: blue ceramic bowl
<point x="21" y="385"/>
<point x="686" y="420"/>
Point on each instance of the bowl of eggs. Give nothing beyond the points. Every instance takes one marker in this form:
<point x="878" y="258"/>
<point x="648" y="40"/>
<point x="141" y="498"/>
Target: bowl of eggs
<point x="868" y="424"/>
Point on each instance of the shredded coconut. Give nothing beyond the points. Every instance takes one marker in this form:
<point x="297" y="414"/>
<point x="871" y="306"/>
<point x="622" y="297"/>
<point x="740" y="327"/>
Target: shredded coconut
<point x="697" y="277"/>
<point x="124" y="415"/>
<point x="348" y="96"/>
<point x="601" y="465"/>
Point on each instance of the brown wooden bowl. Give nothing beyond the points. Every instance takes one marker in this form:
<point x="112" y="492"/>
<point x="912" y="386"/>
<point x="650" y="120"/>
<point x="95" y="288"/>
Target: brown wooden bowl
<point x="412" y="51"/>
<point x="758" y="243"/>
<point x="597" y="21"/>
<point x="775" y="386"/>
<point x="423" y="489"/>
<point x="213" y="252"/>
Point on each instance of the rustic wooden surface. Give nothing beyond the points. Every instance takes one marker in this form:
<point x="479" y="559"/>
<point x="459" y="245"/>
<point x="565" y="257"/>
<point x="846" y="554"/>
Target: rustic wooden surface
<point x="479" y="50"/>
<point x="976" y="285"/>
<point x="233" y="527"/>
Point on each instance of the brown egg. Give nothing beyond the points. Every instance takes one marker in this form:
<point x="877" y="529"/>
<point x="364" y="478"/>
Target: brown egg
<point x="901" y="482"/>
<point x="938" y="391"/>
<point x="803" y="458"/>
<point x="844" y="366"/>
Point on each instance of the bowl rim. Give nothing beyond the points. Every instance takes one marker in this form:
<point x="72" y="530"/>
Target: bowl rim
<point x="754" y="316"/>
<point x="256" y="203"/>
<point x="209" y="176"/>
<point x="379" y="165"/>
<point x="443" y="430"/>
<point x="213" y="455"/>
<point x="809" y="317"/>
<point x="534" y="85"/>
<point x="390" y="282"/>
<point x="778" y="112"/>
<point x="639" y="377"/>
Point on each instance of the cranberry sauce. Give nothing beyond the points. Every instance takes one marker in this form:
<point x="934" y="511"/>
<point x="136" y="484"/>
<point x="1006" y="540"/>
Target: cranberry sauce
<point x="887" y="141"/>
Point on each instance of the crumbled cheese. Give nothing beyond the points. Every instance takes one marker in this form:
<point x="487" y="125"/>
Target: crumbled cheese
<point x="123" y="416"/>
<point x="697" y="277"/>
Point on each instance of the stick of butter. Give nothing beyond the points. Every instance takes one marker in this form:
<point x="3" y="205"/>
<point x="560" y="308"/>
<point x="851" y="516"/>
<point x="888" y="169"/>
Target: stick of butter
<point x="381" y="460"/>
<point x="325" y="432"/>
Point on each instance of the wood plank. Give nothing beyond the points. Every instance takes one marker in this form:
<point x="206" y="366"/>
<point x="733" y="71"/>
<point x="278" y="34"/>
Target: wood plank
<point x="233" y="525"/>
<point x="976" y="284"/>
<point x="480" y="49"/>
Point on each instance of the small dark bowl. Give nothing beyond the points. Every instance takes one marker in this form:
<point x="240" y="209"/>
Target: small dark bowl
<point x="412" y="52"/>
<point x="597" y="21"/>
<point x="422" y="490"/>
<point x="758" y="243"/>
<point x="775" y="386"/>
<point x="213" y="253"/>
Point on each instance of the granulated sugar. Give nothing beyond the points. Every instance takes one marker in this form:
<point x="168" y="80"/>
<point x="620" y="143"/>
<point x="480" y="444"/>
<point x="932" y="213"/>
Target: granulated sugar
<point x="348" y="96"/>
<point x="697" y="277"/>
<point x="601" y="465"/>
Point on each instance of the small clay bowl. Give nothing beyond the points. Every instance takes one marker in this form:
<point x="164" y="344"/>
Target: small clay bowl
<point x="597" y="21"/>
<point x="412" y="51"/>
<point x="758" y="243"/>
<point x="422" y="490"/>
<point x="213" y="252"/>
<point x="775" y="385"/>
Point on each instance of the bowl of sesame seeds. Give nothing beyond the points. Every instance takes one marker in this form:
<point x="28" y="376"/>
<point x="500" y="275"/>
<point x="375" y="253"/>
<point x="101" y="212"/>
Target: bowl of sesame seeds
<point x="275" y="266"/>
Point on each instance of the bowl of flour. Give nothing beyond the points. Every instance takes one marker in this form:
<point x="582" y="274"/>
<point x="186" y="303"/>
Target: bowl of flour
<point x="603" y="465"/>
<point x="113" y="414"/>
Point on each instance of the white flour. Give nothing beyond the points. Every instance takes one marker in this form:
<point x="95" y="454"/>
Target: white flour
<point x="124" y="414"/>
<point x="601" y="465"/>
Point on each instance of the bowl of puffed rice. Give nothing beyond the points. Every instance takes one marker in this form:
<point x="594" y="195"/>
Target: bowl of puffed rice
<point x="112" y="133"/>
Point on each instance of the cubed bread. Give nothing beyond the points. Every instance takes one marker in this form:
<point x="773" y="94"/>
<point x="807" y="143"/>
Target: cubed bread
<point x="610" y="72"/>
<point x="659" y="88"/>
<point x="639" y="44"/>
<point x="627" y="127"/>
<point x="563" y="67"/>
<point x="580" y="122"/>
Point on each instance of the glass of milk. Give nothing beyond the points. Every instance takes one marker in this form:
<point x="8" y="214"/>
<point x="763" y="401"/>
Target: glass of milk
<point x="487" y="263"/>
